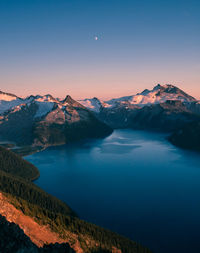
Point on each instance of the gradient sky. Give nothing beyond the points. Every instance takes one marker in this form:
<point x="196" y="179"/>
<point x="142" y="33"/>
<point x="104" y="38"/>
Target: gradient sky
<point x="48" y="46"/>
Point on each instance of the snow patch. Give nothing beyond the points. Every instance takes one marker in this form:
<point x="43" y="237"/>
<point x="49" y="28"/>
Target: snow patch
<point x="94" y="104"/>
<point x="7" y="105"/>
<point x="7" y="97"/>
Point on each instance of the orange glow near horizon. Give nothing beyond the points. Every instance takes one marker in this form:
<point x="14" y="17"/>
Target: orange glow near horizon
<point x="102" y="91"/>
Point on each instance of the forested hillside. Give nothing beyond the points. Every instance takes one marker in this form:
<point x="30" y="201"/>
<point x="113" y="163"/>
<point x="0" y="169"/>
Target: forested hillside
<point x="17" y="166"/>
<point x="188" y="136"/>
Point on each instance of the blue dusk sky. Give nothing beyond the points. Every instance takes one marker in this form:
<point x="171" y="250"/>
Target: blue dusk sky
<point x="50" y="46"/>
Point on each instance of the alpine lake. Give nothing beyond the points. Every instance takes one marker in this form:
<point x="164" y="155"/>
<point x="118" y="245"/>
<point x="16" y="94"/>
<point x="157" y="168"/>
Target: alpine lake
<point x="133" y="182"/>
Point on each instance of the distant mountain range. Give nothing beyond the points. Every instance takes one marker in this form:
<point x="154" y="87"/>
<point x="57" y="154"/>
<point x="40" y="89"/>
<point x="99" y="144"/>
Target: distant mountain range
<point x="159" y="94"/>
<point x="41" y="121"/>
<point x="164" y="108"/>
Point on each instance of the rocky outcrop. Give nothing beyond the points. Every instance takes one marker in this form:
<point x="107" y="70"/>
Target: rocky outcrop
<point x="13" y="239"/>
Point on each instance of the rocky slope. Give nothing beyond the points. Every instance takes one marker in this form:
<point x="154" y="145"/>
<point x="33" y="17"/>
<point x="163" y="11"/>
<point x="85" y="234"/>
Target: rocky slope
<point x="13" y="239"/>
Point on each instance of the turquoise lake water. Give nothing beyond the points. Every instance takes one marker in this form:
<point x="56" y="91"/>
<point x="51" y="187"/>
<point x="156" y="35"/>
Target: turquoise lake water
<point x="132" y="182"/>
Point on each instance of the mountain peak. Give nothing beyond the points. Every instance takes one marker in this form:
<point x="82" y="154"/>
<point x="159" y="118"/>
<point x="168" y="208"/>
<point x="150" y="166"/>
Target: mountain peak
<point x="95" y="98"/>
<point x="68" y="99"/>
<point x="144" y="92"/>
<point x="169" y="88"/>
<point x="164" y="86"/>
<point x="159" y="94"/>
<point x="158" y="86"/>
<point x="71" y="102"/>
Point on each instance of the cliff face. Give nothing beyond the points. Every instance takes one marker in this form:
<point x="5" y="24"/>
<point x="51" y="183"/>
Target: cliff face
<point x="13" y="239"/>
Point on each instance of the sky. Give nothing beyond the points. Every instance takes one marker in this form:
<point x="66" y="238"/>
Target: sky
<point x="49" y="46"/>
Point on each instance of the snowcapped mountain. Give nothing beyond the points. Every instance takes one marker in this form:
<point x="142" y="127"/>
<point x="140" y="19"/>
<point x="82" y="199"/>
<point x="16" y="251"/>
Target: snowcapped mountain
<point x="159" y="94"/>
<point x="44" y="120"/>
<point x="8" y="101"/>
<point x="163" y="108"/>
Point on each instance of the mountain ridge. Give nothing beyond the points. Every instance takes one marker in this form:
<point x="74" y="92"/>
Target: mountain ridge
<point x="163" y="108"/>
<point x="42" y="121"/>
<point x="156" y="95"/>
<point x="159" y="94"/>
